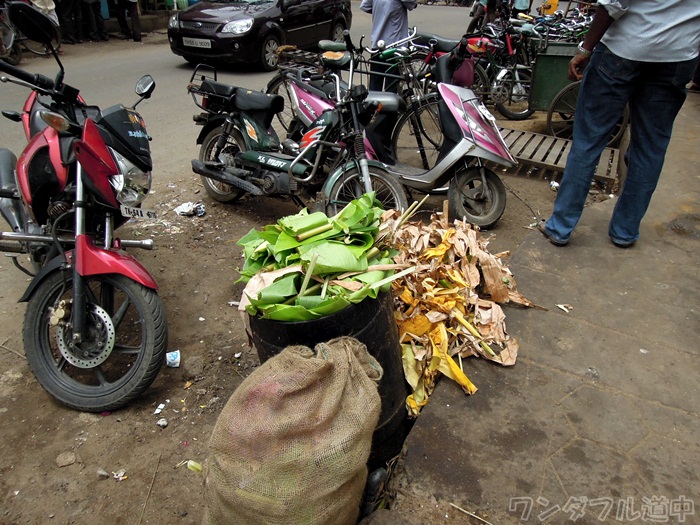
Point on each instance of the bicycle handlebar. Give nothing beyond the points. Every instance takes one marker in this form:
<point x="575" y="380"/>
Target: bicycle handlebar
<point x="411" y="35"/>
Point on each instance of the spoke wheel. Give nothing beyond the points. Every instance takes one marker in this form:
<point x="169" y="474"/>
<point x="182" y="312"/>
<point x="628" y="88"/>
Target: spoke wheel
<point x="221" y="191"/>
<point x="481" y="87"/>
<point x="560" y="117"/>
<point x="279" y="85"/>
<point x="515" y="87"/>
<point x="123" y="347"/>
<point x="387" y="191"/>
<point x="417" y="136"/>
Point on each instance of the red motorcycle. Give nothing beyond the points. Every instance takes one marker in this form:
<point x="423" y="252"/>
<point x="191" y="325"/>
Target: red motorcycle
<point x="95" y="330"/>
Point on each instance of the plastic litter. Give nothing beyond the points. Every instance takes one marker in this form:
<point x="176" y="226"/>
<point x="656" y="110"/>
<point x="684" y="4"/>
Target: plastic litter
<point x="172" y="359"/>
<point x="191" y="208"/>
<point x="120" y="475"/>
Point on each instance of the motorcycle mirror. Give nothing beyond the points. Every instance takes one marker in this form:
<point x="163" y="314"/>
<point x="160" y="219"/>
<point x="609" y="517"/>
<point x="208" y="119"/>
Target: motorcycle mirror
<point x="145" y="86"/>
<point x="32" y="23"/>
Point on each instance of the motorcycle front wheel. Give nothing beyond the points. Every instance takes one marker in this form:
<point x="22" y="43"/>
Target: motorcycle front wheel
<point x="387" y="191"/>
<point x="221" y="191"/>
<point x="472" y="200"/>
<point x="123" y="348"/>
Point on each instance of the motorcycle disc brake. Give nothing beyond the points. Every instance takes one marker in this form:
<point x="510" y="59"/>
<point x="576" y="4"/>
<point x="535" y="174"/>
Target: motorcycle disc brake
<point x="98" y="344"/>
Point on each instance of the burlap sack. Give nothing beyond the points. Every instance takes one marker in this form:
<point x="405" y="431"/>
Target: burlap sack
<point x="291" y="445"/>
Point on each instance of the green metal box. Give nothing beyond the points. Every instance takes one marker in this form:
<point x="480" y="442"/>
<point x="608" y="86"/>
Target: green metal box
<point x="549" y="74"/>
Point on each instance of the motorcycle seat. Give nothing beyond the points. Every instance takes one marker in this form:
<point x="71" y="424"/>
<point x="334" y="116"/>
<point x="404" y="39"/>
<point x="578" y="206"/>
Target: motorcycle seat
<point x="443" y="45"/>
<point x="212" y="87"/>
<point x="248" y="100"/>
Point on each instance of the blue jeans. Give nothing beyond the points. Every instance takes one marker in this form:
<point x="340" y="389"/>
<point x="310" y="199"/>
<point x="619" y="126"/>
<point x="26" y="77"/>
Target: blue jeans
<point x="655" y="93"/>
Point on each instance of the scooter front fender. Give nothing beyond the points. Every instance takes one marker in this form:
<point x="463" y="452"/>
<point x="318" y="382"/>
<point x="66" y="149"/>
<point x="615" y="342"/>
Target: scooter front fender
<point x="92" y="260"/>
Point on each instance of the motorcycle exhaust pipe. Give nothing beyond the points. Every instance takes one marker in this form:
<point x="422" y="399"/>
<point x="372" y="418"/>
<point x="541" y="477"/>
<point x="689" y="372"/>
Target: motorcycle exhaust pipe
<point x="146" y="244"/>
<point x="226" y="175"/>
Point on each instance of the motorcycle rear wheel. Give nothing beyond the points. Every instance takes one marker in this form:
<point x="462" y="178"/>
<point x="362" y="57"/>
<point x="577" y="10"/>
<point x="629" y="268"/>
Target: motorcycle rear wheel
<point x="388" y="191"/>
<point x="469" y="200"/>
<point x="126" y="338"/>
<point x="221" y="191"/>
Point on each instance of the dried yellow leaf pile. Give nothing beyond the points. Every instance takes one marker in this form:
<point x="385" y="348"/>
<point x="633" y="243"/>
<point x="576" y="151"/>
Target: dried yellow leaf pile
<point x="448" y="308"/>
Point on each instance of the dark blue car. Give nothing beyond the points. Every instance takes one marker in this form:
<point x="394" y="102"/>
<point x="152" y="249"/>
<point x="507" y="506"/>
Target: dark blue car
<point x="252" y="30"/>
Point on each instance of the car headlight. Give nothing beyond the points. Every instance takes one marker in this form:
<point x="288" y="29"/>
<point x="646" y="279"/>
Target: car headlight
<point x="131" y="184"/>
<point x="238" y="27"/>
<point x="173" y="23"/>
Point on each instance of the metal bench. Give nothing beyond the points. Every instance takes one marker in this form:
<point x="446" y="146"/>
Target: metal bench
<point x="551" y="153"/>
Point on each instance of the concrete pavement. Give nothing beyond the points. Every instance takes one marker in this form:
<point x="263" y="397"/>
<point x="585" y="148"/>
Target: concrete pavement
<point x="599" y="421"/>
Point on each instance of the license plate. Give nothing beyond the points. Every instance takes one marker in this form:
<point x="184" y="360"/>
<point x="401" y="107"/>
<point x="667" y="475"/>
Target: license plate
<point x="197" y="42"/>
<point x="137" y="213"/>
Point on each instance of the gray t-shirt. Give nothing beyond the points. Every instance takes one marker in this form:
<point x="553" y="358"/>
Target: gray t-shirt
<point x="653" y="30"/>
<point x="389" y="19"/>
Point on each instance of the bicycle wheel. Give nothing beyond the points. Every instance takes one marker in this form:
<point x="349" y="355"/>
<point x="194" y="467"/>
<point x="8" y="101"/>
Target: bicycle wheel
<point x="513" y="94"/>
<point x="480" y="87"/>
<point x="560" y="117"/>
<point x="279" y="85"/>
<point x="38" y="48"/>
<point x="417" y="136"/>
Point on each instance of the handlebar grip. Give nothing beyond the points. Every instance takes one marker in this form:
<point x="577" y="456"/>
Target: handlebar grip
<point x="35" y="80"/>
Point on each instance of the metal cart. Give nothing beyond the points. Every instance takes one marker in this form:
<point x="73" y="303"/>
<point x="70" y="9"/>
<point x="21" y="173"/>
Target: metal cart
<point x="551" y="91"/>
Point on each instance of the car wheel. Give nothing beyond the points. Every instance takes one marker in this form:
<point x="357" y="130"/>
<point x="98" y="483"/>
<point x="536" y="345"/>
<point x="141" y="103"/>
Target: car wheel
<point x="337" y="32"/>
<point x="268" y="54"/>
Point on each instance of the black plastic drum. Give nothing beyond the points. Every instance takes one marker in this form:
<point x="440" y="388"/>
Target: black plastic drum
<point x="372" y="323"/>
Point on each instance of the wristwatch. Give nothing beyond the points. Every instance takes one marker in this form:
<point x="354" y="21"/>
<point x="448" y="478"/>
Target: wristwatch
<point x="583" y="51"/>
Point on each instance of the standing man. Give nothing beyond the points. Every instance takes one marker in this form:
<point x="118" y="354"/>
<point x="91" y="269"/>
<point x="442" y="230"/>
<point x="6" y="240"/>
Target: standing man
<point x="71" y="16"/>
<point x="520" y="6"/>
<point x="390" y="24"/>
<point x="641" y="52"/>
<point x="132" y="7"/>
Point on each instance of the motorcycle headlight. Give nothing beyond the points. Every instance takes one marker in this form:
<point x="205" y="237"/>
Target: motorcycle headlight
<point x="131" y="184"/>
<point x="174" y="22"/>
<point x="238" y="27"/>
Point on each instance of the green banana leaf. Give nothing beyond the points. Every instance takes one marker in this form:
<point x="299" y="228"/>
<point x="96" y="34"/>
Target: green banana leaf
<point x="327" y="247"/>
